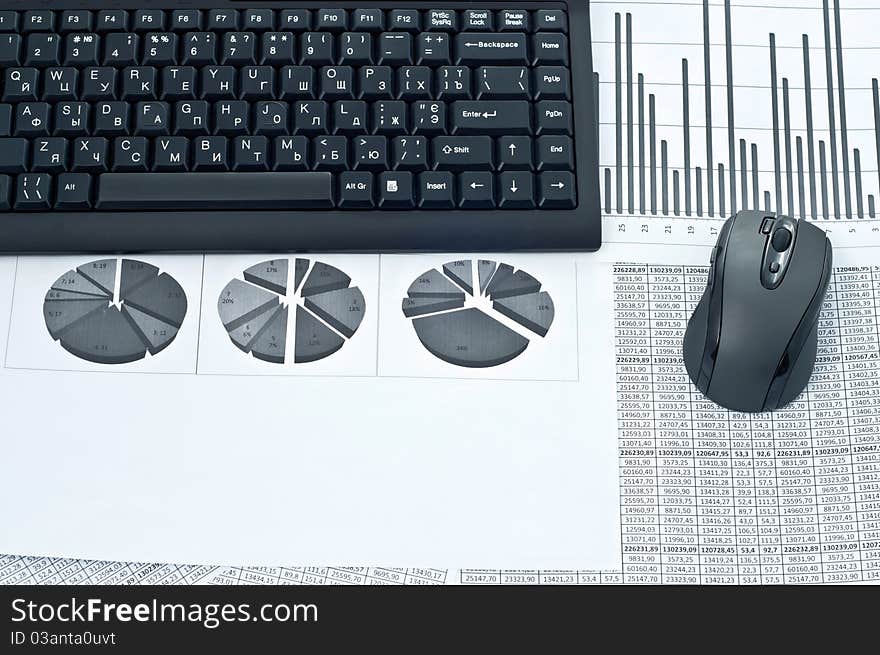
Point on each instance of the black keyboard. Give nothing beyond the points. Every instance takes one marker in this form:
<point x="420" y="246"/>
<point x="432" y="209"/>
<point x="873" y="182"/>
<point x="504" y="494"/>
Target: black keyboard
<point x="233" y="126"/>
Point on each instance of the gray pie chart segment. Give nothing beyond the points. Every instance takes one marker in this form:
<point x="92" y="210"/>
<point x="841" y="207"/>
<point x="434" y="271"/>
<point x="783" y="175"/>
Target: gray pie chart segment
<point x="104" y="337"/>
<point x="485" y="269"/>
<point x="271" y="342"/>
<point x="271" y="275"/>
<point x="324" y="278"/>
<point x="243" y="335"/>
<point x="134" y="273"/>
<point x="461" y="272"/>
<point x="61" y="295"/>
<point x="156" y="334"/>
<point x="314" y="340"/>
<point x="518" y="284"/>
<point x="240" y="302"/>
<point x="503" y="272"/>
<point x="469" y="337"/>
<point x="343" y="309"/>
<point x="60" y="315"/>
<point x="160" y="297"/>
<point x="533" y="311"/>
<point x="419" y="306"/>
<point x="76" y="282"/>
<point x="433" y="284"/>
<point x="300" y="268"/>
<point x="102" y="273"/>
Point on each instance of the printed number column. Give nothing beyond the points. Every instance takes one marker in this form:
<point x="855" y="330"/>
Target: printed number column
<point x="748" y="559"/>
<point x="838" y="518"/>
<point x="640" y="540"/>
<point x="767" y="499"/>
<point x="865" y="440"/>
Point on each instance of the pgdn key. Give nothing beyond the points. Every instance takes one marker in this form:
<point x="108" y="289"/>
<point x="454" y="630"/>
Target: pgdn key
<point x="505" y="117"/>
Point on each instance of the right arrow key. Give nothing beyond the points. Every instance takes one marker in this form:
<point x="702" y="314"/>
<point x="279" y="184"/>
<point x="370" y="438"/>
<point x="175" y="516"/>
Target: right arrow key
<point x="556" y="190"/>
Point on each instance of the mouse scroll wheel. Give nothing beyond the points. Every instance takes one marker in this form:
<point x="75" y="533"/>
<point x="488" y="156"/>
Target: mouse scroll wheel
<point x="781" y="239"/>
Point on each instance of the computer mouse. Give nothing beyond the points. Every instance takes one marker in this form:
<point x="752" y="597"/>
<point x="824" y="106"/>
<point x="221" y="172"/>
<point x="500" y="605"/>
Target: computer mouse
<point x="750" y="344"/>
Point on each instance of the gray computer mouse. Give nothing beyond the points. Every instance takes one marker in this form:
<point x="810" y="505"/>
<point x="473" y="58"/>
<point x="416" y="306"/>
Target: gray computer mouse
<point x="750" y="345"/>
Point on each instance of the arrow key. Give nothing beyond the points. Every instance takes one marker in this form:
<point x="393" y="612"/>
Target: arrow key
<point x="557" y="190"/>
<point x="476" y="190"/>
<point x="514" y="153"/>
<point x="516" y="190"/>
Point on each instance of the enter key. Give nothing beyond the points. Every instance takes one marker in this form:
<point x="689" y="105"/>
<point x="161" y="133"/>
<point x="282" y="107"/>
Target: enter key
<point x="506" y="117"/>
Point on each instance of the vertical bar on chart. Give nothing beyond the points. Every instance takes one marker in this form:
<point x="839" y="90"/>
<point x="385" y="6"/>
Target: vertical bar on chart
<point x="800" y="172"/>
<point x="832" y="123"/>
<point x="857" y="164"/>
<point x="731" y="138"/>
<point x="676" y="200"/>
<point x="841" y="96"/>
<point x="699" y="191"/>
<point x="686" y="128"/>
<point x="811" y="152"/>
<point x="664" y="158"/>
<point x="721" y="199"/>
<point x="607" y="190"/>
<point x="641" y="143"/>
<point x="775" y="105"/>
<point x="871" y="212"/>
<point x="767" y="202"/>
<point x="876" y="123"/>
<point x="596" y="112"/>
<point x="823" y="178"/>
<point x="652" y="135"/>
<point x="756" y="193"/>
<point x="744" y="173"/>
<point x="630" y="122"/>
<point x="710" y="165"/>
<point x="618" y="95"/>
<point x="786" y="123"/>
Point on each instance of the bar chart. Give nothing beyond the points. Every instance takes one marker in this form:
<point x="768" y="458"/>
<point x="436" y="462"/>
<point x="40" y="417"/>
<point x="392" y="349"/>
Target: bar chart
<point x="707" y="108"/>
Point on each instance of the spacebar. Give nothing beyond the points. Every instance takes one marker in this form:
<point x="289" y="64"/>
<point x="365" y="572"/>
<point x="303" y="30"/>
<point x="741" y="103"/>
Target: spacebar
<point x="156" y="191"/>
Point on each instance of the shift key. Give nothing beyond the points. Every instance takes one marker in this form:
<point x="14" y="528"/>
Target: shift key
<point x="478" y="48"/>
<point x="507" y="117"/>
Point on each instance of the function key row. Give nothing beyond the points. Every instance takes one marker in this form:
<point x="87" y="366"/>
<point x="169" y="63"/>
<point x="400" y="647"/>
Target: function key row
<point x="334" y="20"/>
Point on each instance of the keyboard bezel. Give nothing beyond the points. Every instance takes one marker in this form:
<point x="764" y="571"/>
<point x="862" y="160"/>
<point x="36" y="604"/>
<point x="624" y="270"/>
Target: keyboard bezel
<point x="370" y="230"/>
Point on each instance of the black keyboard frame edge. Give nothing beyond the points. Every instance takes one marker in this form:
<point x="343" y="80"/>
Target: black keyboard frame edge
<point x="368" y="231"/>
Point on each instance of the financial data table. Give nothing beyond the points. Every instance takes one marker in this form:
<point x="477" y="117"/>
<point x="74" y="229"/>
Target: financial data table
<point x="714" y="496"/>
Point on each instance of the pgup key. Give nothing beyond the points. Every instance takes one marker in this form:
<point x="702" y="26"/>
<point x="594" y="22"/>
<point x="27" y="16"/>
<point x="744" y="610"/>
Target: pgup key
<point x="503" y="82"/>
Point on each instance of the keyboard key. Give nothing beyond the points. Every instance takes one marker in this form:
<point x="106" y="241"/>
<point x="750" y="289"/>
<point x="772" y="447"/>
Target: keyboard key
<point x="20" y="84"/>
<point x="550" y="48"/>
<point x="396" y="190"/>
<point x="121" y="49"/>
<point x="316" y="49"/>
<point x="557" y="190"/>
<point x="229" y="191"/>
<point x="8" y="21"/>
<point x="209" y="154"/>
<point x="291" y="153"/>
<point x="33" y="191"/>
<point x="75" y="21"/>
<point x="14" y="155"/>
<point x="258" y="20"/>
<point x="407" y="20"/>
<point x="250" y="153"/>
<point x="111" y="19"/>
<point x="462" y="153"/>
<point x="368" y="20"/>
<point x="10" y="49"/>
<point x="90" y="154"/>
<point x="148" y="20"/>
<point x="553" y="117"/>
<point x="441" y="19"/>
<point x="432" y="49"/>
<point x="371" y="153"/>
<point x="297" y="20"/>
<point x="491" y="117"/>
<point x="73" y="191"/>
<point x="42" y="49"/>
<point x="516" y="190"/>
<point x="42" y="20"/>
<point x="503" y="82"/>
<point x="453" y="83"/>
<point x="514" y="20"/>
<point x="436" y="190"/>
<point x="477" y="48"/>
<point x="333" y="20"/>
<point x="356" y="190"/>
<point x="5" y="120"/>
<point x="551" y="20"/>
<point x="477" y="20"/>
<point x="395" y="49"/>
<point x="223" y="20"/>
<point x="552" y="82"/>
<point x="131" y="154"/>
<point x="476" y="190"/>
<point x="185" y="20"/>
<point x="555" y="153"/>
<point x="410" y="153"/>
<point x="514" y="153"/>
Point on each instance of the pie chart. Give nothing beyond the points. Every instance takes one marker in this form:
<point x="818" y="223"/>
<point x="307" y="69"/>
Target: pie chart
<point x="256" y="310"/>
<point x="114" y="311"/>
<point x="477" y="313"/>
